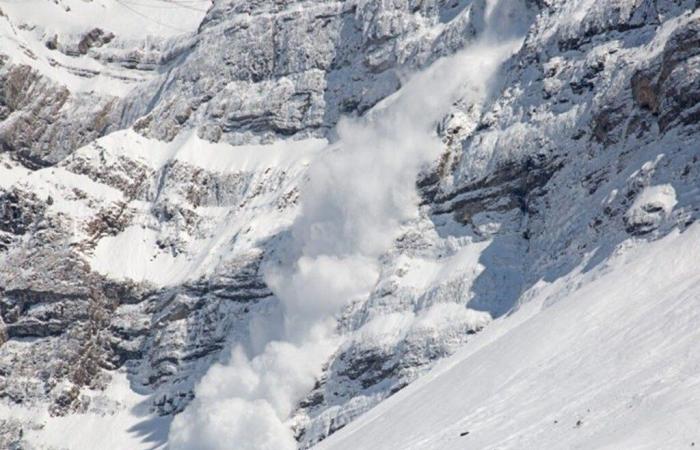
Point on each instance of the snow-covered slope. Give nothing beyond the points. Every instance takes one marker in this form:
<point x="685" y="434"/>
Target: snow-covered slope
<point x="290" y="211"/>
<point x="600" y="358"/>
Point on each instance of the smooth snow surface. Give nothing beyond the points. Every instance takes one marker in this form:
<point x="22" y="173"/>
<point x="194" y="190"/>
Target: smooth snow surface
<point x="604" y="359"/>
<point x="188" y="148"/>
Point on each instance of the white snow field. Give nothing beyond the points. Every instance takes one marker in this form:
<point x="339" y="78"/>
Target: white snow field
<point x="605" y="359"/>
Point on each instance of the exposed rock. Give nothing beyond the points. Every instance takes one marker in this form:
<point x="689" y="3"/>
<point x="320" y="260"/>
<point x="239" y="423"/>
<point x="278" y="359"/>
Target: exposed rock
<point x="95" y="38"/>
<point x="549" y="174"/>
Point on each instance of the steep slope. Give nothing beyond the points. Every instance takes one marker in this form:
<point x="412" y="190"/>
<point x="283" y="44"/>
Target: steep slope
<point x="134" y="254"/>
<point x="601" y="358"/>
<point x="150" y="181"/>
<point x="65" y="73"/>
<point x="565" y="162"/>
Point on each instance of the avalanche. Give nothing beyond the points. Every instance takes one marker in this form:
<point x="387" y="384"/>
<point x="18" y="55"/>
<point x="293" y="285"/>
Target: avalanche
<point x="358" y="196"/>
<point x="349" y="224"/>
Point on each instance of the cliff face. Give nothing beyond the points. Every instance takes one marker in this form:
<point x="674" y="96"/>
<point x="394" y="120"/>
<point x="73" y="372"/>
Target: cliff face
<point x="149" y="170"/>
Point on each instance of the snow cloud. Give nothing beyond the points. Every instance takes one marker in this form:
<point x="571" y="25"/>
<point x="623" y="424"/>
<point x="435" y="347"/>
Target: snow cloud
<point x="357" y="196"/>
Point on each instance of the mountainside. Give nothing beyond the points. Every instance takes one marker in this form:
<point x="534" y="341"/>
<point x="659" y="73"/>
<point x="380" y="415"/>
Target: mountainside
<point x="605" y="358"/>
<point x="243" y="224"/>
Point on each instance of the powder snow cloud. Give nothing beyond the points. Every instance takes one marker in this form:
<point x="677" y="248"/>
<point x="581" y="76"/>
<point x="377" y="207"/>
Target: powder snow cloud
<point x="358" y="194"/>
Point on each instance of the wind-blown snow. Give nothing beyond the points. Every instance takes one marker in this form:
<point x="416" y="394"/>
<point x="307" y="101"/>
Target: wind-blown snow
<point x="539" y="378"/>
<point x="358" y="195"/>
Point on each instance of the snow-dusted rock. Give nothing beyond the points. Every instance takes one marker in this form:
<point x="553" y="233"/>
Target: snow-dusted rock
<point x="150" y="170"/>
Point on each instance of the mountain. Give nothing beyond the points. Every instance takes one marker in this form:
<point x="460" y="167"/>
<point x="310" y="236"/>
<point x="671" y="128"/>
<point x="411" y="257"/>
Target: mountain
<point x="610" y="363"/>
<point x="245" y="224"/>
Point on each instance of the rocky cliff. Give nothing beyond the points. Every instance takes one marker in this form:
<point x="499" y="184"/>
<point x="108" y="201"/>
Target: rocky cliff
<point x="153" y="164"/>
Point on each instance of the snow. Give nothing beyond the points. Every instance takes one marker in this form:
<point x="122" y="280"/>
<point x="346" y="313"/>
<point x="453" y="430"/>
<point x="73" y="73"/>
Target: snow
<point x="216" y="157"/>
<point x="387" y="330"/>
<point x="660" y="198"/>
<point x="117" y="418"/>
<point x="651" y="207"/>
<point x="133" y="19"/>
<point x="424" y="273"/>
<point x="601" y="359"/>
<point x="61" y="185"/>
<point x="141" y="26"/>
<point x="63" y="69"/>
<point x="134" y="253"/>
<point x="221" y="157"/>
<point x="10" y="172"/>
<point x="430" y="276"/>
